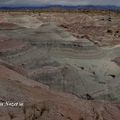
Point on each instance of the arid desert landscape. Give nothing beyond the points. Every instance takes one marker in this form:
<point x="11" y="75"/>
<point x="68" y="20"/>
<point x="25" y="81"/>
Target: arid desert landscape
<point x="61" y="65"/>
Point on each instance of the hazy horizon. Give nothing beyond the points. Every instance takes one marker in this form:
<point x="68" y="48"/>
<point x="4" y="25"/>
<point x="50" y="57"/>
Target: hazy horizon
<point x="58" y="2"/>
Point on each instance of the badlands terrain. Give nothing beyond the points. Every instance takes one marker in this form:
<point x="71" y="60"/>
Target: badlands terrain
<point x="62" y="66"/>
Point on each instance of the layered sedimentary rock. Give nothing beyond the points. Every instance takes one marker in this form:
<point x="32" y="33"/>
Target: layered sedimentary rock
<point x="41" y="103"/>
<point x="40" y="61"/>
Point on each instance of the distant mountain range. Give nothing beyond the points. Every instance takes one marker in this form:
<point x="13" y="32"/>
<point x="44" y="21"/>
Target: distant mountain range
<point x="86" y="7"/>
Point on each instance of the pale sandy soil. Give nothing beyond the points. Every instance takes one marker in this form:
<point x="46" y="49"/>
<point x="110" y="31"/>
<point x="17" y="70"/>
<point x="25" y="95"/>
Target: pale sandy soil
<point x="96" y="28"/>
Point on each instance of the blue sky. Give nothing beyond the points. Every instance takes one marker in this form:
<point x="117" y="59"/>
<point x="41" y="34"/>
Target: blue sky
<point x="63" y="2"/>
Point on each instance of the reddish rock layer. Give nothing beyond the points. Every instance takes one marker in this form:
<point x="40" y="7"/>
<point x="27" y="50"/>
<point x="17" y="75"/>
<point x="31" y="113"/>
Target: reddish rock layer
<point x="44" y="104"/>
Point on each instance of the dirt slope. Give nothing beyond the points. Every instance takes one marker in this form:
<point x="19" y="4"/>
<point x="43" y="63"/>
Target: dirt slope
<point x="40" y="103"/>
